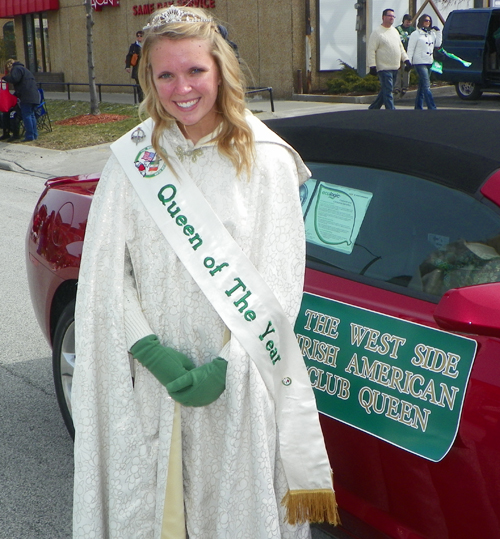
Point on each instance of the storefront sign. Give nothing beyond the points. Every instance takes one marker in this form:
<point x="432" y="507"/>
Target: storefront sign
<point x="97" y="5"/>
<point x="147" y="9"/>
<point x="399" y="381"/>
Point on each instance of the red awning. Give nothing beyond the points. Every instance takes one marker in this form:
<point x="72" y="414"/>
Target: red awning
<point x="10" y="8"/>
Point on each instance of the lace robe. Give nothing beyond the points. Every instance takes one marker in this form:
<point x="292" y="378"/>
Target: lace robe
<point x="232" y="473"/>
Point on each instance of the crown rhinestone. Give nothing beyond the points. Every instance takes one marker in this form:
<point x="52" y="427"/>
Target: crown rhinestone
<point x="173" y="14"/>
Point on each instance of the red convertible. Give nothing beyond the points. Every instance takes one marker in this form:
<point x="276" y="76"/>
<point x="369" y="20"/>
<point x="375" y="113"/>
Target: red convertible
<point x="400" y="322"/>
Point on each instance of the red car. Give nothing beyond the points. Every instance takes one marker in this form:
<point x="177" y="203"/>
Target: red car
<point x="400" y="323"/>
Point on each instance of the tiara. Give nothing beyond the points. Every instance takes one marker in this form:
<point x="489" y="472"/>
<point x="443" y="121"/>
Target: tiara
<point x="174" y="14"/>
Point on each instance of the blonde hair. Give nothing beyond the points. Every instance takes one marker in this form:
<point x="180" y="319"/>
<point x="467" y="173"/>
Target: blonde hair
<point x="235" y="139"/>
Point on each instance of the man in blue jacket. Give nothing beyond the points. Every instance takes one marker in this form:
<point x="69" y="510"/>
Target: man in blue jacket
<point x="26" y="90"/>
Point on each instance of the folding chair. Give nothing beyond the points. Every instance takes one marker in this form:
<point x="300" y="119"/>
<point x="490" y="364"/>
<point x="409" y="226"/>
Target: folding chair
<point x="42" y="114"/>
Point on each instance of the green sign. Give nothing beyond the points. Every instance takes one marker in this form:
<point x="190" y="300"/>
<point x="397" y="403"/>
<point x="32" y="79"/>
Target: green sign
<point x="402" y="382"/>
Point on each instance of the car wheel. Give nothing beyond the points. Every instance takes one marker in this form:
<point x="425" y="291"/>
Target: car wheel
<point x="468" y="90"/>
<point x="63" y="362"/>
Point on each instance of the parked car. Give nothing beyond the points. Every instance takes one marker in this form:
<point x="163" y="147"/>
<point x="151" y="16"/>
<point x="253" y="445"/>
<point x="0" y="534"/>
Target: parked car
<point x="468" y="34"/>
<point x="400" y="322"/>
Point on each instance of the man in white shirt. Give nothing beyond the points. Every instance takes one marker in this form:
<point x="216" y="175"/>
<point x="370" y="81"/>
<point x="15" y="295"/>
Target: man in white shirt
<point x="385" y="54"/>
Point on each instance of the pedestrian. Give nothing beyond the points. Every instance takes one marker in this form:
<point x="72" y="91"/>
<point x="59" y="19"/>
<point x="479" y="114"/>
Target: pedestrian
<point x="26" y="90"/>
<point x="132" y="61"/>
<point x="405" y="29"/>
<point x="421" y="54"/>
<point x="385" y="54"/>
<point x="193" y="262"/>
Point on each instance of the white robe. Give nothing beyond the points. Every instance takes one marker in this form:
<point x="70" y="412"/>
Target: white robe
<point x="232" y="473"/>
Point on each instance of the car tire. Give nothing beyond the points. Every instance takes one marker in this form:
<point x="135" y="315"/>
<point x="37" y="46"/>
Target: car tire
<point x="468" y="90"/>
<point x="63" y="363"/>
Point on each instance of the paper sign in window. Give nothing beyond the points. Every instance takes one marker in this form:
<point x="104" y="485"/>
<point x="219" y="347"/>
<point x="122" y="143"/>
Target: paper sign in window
<point x="333" y="214"/>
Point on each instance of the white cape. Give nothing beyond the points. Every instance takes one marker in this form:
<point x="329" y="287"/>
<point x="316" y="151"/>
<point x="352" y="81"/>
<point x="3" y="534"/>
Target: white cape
<point x="233" y="477"/>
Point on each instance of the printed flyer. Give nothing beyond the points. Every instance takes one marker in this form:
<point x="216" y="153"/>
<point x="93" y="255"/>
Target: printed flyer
<point x="333" y="214"/>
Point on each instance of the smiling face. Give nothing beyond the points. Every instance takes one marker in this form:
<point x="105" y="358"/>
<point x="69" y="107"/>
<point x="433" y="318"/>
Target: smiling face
<point x="186" y="78"/>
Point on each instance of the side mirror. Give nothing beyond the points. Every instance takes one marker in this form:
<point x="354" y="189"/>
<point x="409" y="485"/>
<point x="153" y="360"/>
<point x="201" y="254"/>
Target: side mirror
<point x="472" y="309"/>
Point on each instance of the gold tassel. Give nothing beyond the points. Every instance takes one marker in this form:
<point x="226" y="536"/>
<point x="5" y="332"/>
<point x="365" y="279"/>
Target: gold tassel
<point x="311" y="506"/>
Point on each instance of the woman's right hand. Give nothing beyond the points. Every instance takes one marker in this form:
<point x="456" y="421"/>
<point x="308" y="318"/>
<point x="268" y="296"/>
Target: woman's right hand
<point x="201" y="385"/>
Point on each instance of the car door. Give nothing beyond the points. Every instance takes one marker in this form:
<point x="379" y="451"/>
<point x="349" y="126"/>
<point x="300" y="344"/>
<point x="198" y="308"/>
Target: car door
<point x="388" y="246"/>
<point x="464" y="36"/>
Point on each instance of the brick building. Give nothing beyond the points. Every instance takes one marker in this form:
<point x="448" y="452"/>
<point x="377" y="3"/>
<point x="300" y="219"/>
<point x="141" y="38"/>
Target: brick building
<point x="291" y="45"/>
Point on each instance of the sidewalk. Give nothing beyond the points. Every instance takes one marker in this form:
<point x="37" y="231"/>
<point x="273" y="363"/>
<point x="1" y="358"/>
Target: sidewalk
<point x="50" y="163"/>
<point x="259" y="104"/>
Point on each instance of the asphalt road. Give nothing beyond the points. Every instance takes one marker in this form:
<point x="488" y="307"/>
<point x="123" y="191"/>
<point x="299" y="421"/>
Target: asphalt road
<point x="35" y="450"/>
<point x="36" y="462"/>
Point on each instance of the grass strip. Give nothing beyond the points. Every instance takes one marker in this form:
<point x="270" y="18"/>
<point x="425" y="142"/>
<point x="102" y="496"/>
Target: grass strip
<point x="68" y="137"/>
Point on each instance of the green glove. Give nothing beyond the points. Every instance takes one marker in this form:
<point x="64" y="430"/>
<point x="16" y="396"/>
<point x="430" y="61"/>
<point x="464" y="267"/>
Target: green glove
<point x="200" y="386"/>
<point x="166" y="364"/>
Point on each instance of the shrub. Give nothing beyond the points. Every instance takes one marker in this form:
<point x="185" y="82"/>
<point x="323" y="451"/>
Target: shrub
<point x="367" y="84"/>
<point x="338" y="86"/>
<point x="348" y="80"/>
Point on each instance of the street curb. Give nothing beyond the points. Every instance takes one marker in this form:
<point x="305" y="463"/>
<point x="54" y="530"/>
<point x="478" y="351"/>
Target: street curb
<point x="49" y="163"/>
<point x="7" y="165"/>
<point x="359" y="99"/>
<point x="11" y="166"/>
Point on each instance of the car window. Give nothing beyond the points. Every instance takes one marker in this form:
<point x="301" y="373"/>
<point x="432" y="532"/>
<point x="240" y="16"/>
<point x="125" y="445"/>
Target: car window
<point x="468" y="26"/>
<point x="398" y="229"/>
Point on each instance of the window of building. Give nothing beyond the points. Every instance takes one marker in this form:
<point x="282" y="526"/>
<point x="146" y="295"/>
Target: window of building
<point x="8" y="46"/>
<point x="36" y="42"/>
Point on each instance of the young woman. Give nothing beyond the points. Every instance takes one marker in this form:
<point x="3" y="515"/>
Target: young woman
<point x="421" y="53"/>
<point x="193" y="262"/>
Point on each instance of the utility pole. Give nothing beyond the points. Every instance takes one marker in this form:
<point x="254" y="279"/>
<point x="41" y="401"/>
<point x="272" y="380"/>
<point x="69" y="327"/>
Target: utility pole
<point x="360" y="6"/>
<point x="308" y="32"/>
<point x="94" y="102"/>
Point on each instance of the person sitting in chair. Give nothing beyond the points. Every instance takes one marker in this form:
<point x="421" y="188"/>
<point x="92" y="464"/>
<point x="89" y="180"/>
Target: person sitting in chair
<point x="10" y="124"/>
